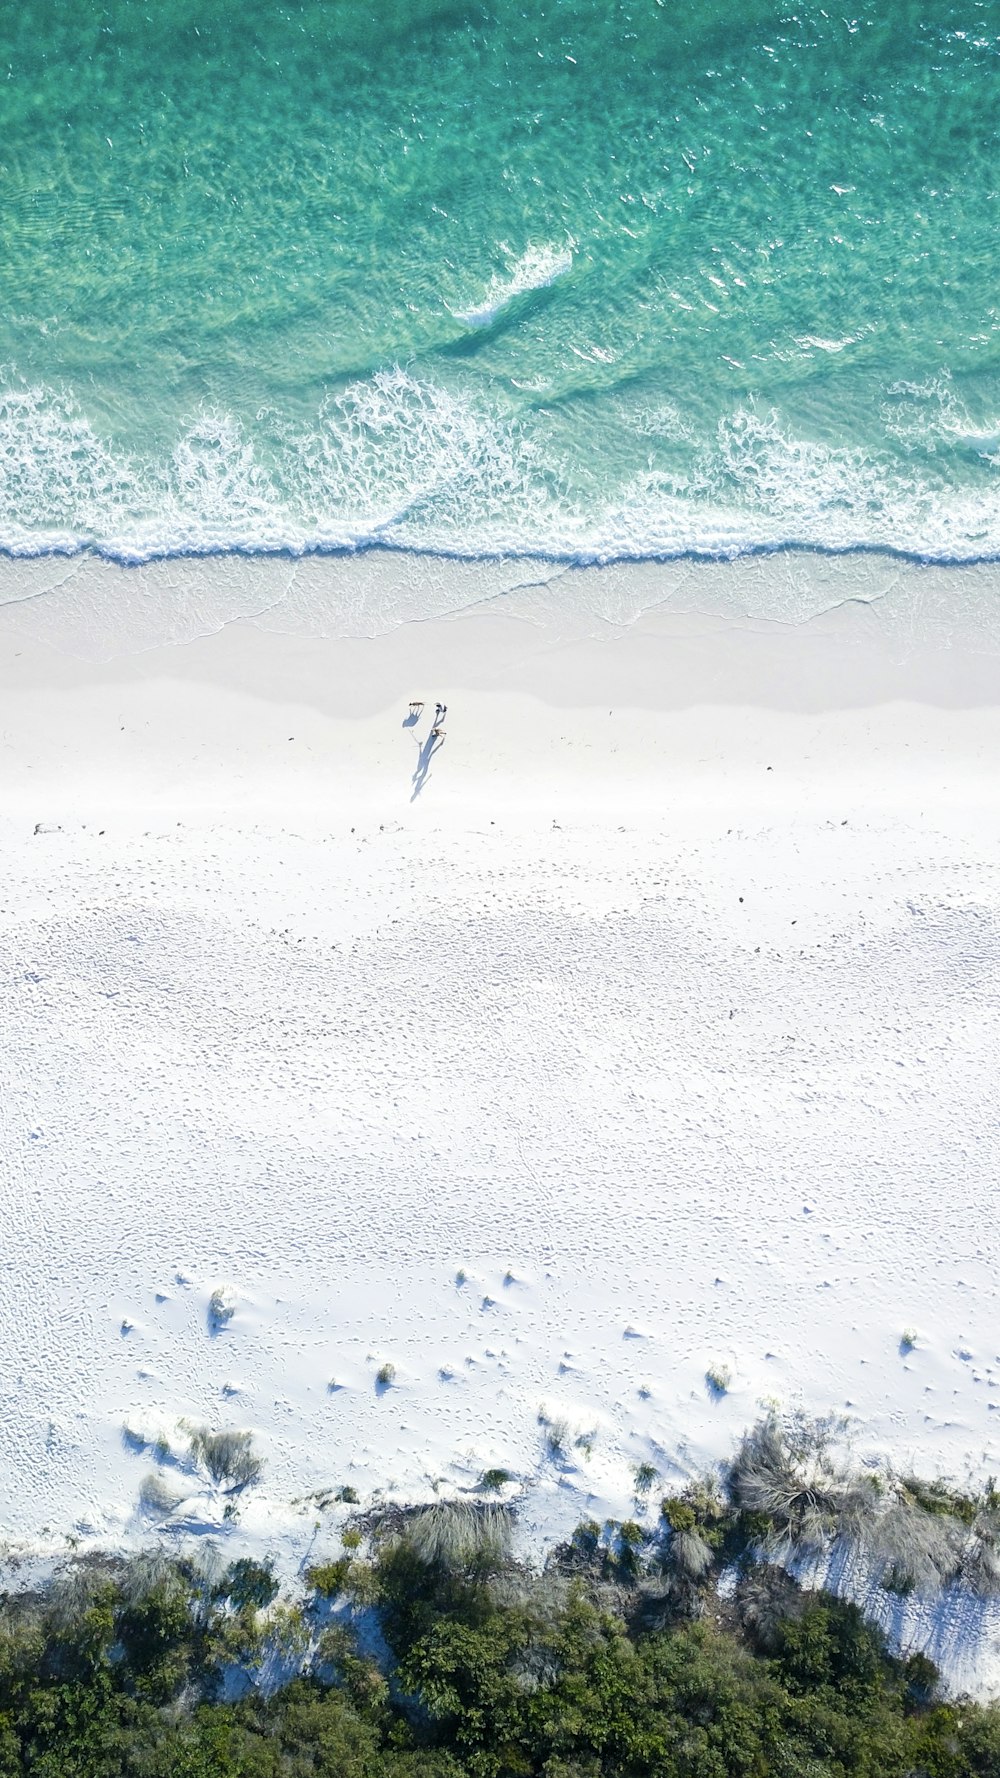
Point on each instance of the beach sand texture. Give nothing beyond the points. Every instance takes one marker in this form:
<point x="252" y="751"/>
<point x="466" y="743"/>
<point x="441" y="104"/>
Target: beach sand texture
<point x="656" y="1032"/>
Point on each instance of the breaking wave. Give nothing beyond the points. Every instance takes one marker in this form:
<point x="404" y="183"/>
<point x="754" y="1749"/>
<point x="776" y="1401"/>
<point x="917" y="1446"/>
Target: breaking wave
<point x="405" y="462"/>
<point x="535" y="270"/>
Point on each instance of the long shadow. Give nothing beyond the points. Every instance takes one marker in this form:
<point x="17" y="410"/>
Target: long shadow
<point x="427" y="752"/>
<point x="955" y="1627"/>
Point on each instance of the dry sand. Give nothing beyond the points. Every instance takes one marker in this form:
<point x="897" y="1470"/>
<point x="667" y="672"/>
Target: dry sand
<point x="665" y="1012"/>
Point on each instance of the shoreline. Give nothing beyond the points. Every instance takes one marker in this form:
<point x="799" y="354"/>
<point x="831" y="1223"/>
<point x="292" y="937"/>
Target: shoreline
<point x="100" y="608"/>
<point x="663" y="1015"/>
<point x="558" y="561"/>
<point x="560" y="698"/>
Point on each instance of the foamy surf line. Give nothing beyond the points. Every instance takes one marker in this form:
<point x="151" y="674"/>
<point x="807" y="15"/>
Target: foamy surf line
<point x="404" y="461"/>
<point x="729" y="541"/>
<point x="518" y="549"/>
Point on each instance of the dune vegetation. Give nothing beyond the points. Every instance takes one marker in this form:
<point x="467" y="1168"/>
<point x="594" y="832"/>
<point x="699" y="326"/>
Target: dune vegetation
<point x="622" y="1657"/>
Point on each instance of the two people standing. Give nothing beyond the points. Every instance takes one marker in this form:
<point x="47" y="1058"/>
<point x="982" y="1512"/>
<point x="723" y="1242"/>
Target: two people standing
<point x="416" y="710"/>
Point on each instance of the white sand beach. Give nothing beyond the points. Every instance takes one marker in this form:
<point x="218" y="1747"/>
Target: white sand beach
<point x="653" y="1030"/>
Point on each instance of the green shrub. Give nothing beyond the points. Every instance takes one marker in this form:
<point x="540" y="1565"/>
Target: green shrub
<point x="247" y="1583"/>
<point x="493" y="1480"/>
<point x="679" y="1514"/>
<point x="114" y="1673"/>
<point x="939" y="1499"/>
<point x="329" y="1578"/>
<point x="587" y="1536"/>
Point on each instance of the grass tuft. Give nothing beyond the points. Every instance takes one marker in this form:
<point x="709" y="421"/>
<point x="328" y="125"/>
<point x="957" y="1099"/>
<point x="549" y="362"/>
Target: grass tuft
<point x="221" y="1306"/>
<point x="459" y="1537"/>
<point x="228" y="1456"/>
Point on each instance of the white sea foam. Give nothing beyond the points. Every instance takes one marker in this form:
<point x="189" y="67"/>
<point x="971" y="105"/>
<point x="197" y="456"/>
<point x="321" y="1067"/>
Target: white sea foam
<point x="535" y="270"/>
<point x="932" y="415"/>
<point x="811" y="342"/>
<point x="405" y="462"/>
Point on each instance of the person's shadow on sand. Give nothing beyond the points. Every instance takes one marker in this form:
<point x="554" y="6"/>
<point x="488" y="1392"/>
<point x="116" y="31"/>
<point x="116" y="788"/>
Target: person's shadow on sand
<point x="426" y="754"/>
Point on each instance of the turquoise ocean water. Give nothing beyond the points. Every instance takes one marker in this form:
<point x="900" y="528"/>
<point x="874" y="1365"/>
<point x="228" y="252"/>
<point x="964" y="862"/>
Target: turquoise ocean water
<point x="590" y="278"/>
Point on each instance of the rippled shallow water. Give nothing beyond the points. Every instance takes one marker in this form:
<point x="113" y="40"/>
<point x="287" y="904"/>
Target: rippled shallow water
<point x="585" y="280"/>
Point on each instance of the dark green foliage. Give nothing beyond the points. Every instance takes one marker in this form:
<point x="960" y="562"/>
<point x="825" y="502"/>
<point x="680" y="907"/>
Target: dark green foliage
<point x="587" y="1536"/>
<point x="247" y="1583"/>
<point x="936" y="1497"/>
<point x="678" y="1514"/>
<point x="154" y="1631"/>
<point x="521" y="1688"/>
<point x="921" y="1678"/>
<point x="495" y="1479"/>
<point x="499" y="1675"/>
<point x="626" y="1543"/>
<point x="329" y="1578"/>
<point x="831" y="1645"/>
